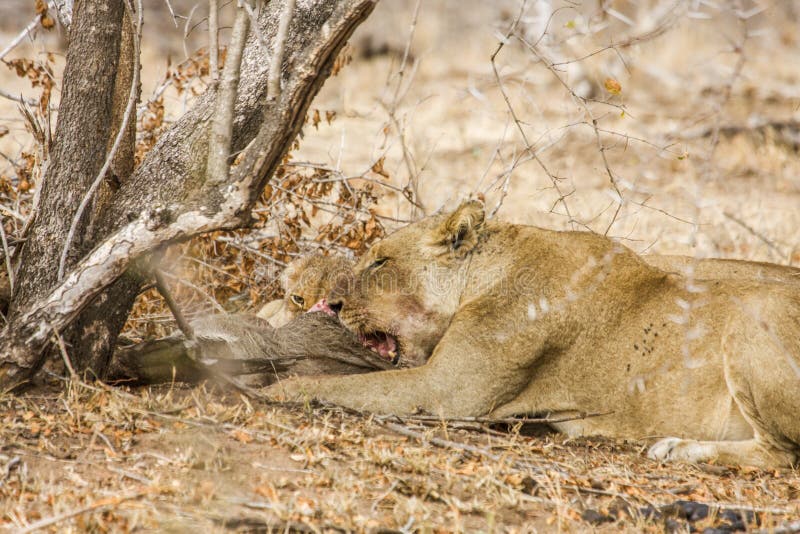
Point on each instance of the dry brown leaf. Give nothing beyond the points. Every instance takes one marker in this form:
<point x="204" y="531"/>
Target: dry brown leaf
<point x="612" y="86"/>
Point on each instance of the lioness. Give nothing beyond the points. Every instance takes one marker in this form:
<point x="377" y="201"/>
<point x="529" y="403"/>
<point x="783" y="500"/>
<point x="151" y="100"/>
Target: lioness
<point x="520" y="320"/>
<point x="306" y="281"/>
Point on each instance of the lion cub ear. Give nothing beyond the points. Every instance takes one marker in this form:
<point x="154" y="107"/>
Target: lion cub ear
<point x="460" y="230"/>
<point x="293" y="271"/>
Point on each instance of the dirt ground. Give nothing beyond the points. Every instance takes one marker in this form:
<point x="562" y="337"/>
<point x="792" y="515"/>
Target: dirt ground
<point x="701" y="136"/>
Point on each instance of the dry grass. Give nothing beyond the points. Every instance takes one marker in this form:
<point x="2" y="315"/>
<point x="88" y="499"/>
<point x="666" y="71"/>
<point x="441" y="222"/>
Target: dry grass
<point x="705" y="158"/>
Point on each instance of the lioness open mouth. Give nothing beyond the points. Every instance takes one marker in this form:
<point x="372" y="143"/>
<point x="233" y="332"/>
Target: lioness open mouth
<point x="385" y="345"/>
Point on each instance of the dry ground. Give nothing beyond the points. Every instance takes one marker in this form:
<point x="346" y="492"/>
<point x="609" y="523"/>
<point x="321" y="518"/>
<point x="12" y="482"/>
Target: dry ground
<point x="177" y="459"/>
<point x="705" y="158"/>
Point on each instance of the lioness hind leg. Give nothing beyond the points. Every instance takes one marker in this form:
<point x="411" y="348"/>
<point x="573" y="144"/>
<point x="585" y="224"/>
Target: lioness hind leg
<point x="762" y="370"/>
<point x="753" y="452"/>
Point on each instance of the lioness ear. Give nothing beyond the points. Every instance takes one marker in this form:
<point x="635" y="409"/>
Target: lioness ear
<point x="459" y="232"/>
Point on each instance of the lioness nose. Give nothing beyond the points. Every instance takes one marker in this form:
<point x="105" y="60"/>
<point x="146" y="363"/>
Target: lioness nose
<point x="335" y="304"/>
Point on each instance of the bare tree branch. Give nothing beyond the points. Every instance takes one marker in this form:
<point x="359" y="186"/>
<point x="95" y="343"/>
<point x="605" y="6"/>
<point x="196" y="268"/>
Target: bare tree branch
<point x="254" y="25"/>
<point x="7" y="258"/>
<point x="213" y="39"/>
<point x="276" y="62"/>
<point x="219" y="144"/>
<point x="187" y="28"/>
<point x="528" y="146"/>
<point x="17" y="98"/>
<point x="172" y="304"/>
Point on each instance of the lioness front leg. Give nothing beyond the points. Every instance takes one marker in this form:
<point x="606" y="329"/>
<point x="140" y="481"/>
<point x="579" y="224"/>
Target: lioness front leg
<point x="396" y="392"/>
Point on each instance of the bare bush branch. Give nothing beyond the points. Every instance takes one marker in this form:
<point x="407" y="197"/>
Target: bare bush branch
<point x="23" y="34"/>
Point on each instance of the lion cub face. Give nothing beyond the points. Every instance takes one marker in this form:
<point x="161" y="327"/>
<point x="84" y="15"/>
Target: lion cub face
<point x="306" y="283"/>
<point x="406" y="288"/>
<point x="308" y="280"/>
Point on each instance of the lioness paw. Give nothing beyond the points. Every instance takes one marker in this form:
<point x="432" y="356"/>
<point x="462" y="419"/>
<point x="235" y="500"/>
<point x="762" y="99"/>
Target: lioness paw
<point x="675" y="449"/>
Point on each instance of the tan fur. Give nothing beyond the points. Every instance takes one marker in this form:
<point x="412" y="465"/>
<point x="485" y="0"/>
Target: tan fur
<point x="305" y="282"/>
<point x="522" y="320"/>
<point x="719" y="268"/>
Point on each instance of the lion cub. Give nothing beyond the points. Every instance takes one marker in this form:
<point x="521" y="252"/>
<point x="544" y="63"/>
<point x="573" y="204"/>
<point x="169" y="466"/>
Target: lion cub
<point x="306" y="282"/>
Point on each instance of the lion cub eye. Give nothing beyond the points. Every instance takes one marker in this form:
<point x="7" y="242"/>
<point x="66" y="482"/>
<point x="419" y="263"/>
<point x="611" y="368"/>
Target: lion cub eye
<point x="297" y="299"/>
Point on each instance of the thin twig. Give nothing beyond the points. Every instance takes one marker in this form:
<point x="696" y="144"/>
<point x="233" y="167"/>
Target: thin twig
<point x="406" y="52"/>
<point x="219" y="143"/>
<point x="187" y="29"/>
<point x="129" y="110"/>
<point x="213" y="40"/>
<point x="217" y="306"/>
<point x="528" y="146"/>
<point x="20" y="98"/>
<point x="439" y="442"/>
<point x="166" y="82"/>
<point x="172" y="12"/>
<point x="504" y="420"/>
<point x="593" y="121"/>
<point x="662" y="26"/>
<point x="761" y="237"/>
<point x="7" y="255"/>
<point x="64" y="355"/>
<point x="254" y="25"/>
<point x="188" y="332"/>
<point x="97" y="505"/>
<point x="23" y="34"/>
<point x="391" y="110"/>
<point x="183" y="324"/>
<point x="276" y="62"/>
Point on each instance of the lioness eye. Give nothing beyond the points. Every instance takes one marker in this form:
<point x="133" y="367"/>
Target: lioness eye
<point x="297" y="299"/>
<point x="377" y="263"/>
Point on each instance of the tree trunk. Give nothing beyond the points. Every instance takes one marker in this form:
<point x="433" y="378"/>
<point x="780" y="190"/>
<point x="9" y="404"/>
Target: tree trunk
<point x="82" y="132"/>
<point x="91" y="338"/>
